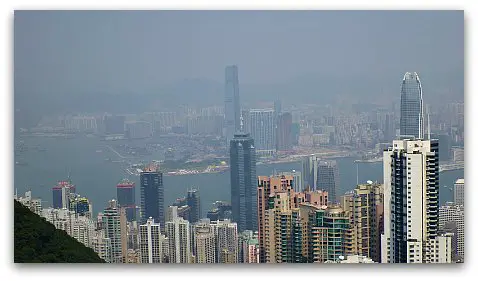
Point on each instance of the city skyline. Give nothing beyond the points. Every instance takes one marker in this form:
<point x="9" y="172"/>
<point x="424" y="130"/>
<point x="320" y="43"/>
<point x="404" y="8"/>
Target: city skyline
<point x="333" y="155"/>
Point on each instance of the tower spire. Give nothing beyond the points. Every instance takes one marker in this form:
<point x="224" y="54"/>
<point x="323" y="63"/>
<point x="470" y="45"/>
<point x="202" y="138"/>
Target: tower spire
<point x="242" y="123"/>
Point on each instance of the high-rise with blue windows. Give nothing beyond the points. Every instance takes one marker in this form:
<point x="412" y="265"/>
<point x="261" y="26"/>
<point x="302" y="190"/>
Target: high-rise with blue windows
<point x="152" y="195"/>
<point x="411" y="107"/>
<point x="125" y="191"/>
<point x="243" y="181"/>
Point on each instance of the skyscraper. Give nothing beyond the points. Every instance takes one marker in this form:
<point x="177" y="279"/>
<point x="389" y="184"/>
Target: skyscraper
<point x="61" y="194"/>
<point x="194" y="202"/>
<point x="227" y="241"/>
<point x="411" y="107"/>
<point x="309" y="171"/>
<point x="232" y="107"/>
<point x="328" y="230"/>
<point x="204" y="242"/>
<point x="243" y="181"/>
<point x="277" y="114"/>
<point x="263" y="130"/>
<point x="125" y="193"/>
<point x="284" y="137"/>
<point x="459" y="192"/>
<point x="411" y="188"/>
<point x="282" y="231"/>
<point x="179" y="239"/>
<point x="111" y="222"/>
<point x="267" y="186"/>
<point x="151" y="242"/>
<point x="364" y="208"/>
<point x="152" y="195"/>
<point x="328" y="178"/>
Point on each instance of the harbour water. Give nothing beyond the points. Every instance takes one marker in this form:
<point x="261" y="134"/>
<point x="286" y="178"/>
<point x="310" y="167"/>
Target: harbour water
<point x="84" y="159"/>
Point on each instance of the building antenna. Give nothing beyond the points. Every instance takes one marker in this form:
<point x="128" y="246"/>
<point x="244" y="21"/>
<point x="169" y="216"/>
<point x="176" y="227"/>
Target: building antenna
<point x="242" y="123"/>
<point x="68" y="171"/>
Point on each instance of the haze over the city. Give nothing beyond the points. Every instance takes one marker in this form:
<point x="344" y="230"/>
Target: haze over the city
<point x="116" y="60"/>
<point x="240" y="136"/>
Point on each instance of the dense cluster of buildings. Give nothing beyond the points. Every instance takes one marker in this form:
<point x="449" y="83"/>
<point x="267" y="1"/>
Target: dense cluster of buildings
<point x="287" y="217"/>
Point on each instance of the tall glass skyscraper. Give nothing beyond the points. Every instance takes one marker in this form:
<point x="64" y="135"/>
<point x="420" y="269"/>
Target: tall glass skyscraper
<point x="411" y="107"/>
<point x="152" y="195"/>
<point x="328" y="178"/>
<point x="194" y="202"/>
<point x="309" y="172"/>
<point x="243" y="181"/>
<point x="125" y="191"/>
<point x="232" y="108"/>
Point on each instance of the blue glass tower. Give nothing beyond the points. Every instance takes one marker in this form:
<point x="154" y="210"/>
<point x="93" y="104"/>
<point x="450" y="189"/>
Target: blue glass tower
<point x="243" y="181"/>
<point x="411" y="107"/>
<point x="152" y="195"/>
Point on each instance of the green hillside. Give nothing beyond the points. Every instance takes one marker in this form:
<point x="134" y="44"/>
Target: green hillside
<point x="38" y="241"/>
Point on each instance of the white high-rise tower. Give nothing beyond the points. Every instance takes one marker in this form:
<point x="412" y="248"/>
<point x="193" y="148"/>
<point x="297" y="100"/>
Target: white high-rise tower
<point x="151" y="242"/>
<point x="179" y="238"/>
<point x="411" y="189"/>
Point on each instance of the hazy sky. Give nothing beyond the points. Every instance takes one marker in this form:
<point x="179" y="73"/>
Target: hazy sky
<point x="70" y="52"/>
